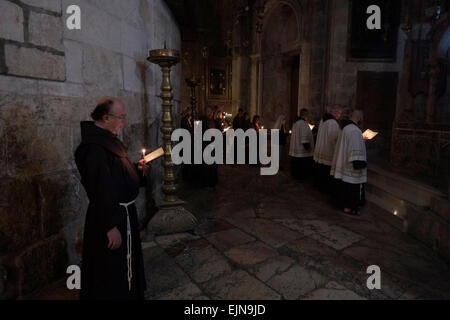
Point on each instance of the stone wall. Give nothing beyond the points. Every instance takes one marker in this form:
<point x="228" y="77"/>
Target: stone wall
<point x="342" y="74"/>
<point x="294" y="33"/>
<point x="281" y="35"/>
<point x="50" y="80"/>
<point x="319" y="38"/>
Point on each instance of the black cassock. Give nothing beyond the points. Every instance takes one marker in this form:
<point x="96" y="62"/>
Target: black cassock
<point x="109" y="178"/>
<point x="208" y="172"/>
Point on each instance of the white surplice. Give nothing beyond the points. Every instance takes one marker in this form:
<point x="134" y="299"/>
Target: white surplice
<point x="301" y="133"/>
<point x="326" y="141"/>
<point x="349" y="147"/>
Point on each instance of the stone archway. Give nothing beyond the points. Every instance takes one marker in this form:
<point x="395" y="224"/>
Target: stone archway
<point x="280" y="53"/>
<point x="272" y="6"/>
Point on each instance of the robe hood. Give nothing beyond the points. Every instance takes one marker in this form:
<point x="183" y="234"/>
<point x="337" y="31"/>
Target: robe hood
<point x="92" y="134"/>
<point x="347" y="122"/>
<point x="327" y="116"/>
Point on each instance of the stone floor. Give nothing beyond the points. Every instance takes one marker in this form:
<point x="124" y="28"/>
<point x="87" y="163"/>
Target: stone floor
<point x="269" y="237"/>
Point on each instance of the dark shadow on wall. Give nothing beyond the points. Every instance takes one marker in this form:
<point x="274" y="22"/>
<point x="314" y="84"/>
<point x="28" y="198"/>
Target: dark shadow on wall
<point x="32" y="245"/>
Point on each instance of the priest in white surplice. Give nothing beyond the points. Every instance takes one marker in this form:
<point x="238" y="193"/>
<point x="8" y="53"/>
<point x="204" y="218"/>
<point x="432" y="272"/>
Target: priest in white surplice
<point x="349" y="165"/>
<point x="327" y="136"/>
<point x="302" y="147"/>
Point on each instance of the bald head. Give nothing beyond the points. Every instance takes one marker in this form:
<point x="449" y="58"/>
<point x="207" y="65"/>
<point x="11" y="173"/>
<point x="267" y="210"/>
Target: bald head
<point x="209" y="112"/>
<point x="357" y="116"/>
<point x="104" y="99"/>
<point x="336" y="111"/>
<point x="304" y="113"/>
<point x="110" y="114"/>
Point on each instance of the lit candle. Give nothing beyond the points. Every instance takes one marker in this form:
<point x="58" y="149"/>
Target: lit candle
<point x="197" y="123"/>
<point x="143" y="157"/>
<point x="290" y="131"/>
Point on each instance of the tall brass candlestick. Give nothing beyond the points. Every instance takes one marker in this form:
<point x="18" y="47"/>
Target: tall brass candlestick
<point x="166" y="58"/>
<point x="192" y="84"/>
<point x="172" y="217"/>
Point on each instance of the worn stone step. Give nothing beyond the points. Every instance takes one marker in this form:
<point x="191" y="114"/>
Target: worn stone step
<point x="401" y="187"/>
<point x="425" y="218"/>
<point x="429" y="228"/>
<point x="394" y="209"/>
<point x="441" y="206"/>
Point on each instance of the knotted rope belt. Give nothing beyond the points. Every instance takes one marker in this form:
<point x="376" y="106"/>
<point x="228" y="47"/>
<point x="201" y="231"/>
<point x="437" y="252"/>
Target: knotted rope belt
<point x="130" y="273"/>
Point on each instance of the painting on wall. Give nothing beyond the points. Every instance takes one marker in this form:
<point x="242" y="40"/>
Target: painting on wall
<point x="219" y="86"/>
<point x="373" y="45"/>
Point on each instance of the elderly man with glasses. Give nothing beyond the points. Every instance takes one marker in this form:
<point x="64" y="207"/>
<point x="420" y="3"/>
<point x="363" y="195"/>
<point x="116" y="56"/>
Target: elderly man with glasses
<point x="112" y="262"/>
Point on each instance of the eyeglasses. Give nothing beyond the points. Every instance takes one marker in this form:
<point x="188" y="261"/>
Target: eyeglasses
<point x="121" y="117"/>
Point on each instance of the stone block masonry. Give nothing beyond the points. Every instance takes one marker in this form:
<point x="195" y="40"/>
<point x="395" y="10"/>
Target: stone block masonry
<point x="31" y="44"/>
<point x="49" y="5"/>
<point x="33" y="63"/>
<point x="11" y="23"/>
<point x="45" y="30"/>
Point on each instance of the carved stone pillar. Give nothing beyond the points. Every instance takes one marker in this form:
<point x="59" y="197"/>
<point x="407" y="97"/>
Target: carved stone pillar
<point x="405" y="109"/>
<point x="432" y="96"/>
<point x="254" y="83"/>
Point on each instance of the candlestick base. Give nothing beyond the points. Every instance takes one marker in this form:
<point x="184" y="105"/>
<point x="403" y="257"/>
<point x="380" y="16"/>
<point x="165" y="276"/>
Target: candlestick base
<point x="171" y="218"/>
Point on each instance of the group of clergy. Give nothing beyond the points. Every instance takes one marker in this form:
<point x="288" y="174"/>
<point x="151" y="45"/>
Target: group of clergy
<point x="337" y="158"/>
<point x="201" y="175"/>
<point x="242" y="121"/>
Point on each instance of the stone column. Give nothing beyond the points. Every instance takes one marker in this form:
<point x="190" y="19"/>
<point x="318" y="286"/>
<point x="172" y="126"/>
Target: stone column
<point x="432" y="92"/>
<point x="260" y="86"/>
<point x="304" y="77"/>
<point x="235" y="84"/>
<point x="405" y="110"/>
<point x="254" y="79"/>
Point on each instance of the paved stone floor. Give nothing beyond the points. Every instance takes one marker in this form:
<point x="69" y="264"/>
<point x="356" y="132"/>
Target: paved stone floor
<point x="269" y="237"/>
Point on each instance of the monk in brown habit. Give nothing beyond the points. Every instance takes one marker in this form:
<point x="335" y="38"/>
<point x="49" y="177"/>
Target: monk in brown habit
<point x="112" y="262"/>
